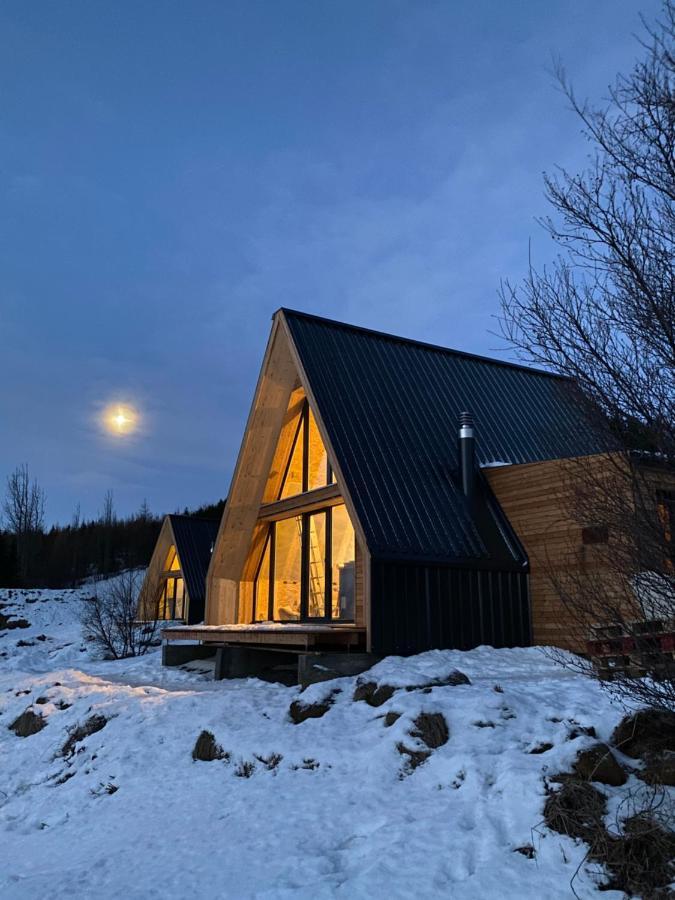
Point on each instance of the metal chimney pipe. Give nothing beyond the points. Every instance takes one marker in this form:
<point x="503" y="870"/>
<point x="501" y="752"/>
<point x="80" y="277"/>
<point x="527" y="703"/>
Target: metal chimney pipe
<point x="467" y="443"/>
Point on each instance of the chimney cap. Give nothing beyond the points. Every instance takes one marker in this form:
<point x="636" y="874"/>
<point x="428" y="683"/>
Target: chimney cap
<point x="465" y="420"/>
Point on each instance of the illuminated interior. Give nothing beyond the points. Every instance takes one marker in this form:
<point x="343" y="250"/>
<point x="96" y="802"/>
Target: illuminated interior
<point x="307" y="570"/>
<point x="171" y="595"/>
<point x="307" y="466"/>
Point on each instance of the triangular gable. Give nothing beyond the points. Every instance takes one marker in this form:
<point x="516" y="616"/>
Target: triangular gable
<point x="192" y="539"/>
<point x="147" y="598"/>
<point x="258" y="473"/>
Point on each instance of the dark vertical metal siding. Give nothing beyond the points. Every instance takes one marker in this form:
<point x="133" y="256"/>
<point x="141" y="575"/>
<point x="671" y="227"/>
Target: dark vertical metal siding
<point x="426" y="607"/>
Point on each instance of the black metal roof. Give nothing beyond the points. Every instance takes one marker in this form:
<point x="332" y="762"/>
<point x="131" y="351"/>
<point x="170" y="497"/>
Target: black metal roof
<point x="194" y="542"/>
<point x="391" y="407"/>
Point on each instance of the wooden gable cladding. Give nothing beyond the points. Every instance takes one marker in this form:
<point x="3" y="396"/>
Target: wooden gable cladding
<point x="278" y="379"/>
<point x="280" y="393"/>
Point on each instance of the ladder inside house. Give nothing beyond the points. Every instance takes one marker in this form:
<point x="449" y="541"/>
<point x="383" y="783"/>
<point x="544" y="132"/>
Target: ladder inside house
<point x="316" y="598"/>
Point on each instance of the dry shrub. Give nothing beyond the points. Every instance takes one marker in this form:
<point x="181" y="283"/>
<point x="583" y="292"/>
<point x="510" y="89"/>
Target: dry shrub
<point x="645" y="732"/>
<point x="270" y="762"/>
<point x="577" y="810"/>
<point x="659" y="769"/>
<point x="598" y="763"/>
<point x="207" y="749"/>
<point x="638" y="855"/>
<point x="110" y="619"/>
<point x="641" y="861"/>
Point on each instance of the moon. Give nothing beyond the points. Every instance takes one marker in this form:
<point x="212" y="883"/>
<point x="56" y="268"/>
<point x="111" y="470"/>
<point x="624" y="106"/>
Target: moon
<point x="120" y="419"/>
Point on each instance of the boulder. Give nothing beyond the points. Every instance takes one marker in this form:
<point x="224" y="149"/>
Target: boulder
<point x="80" y="732"/>
<point x="207" y="749"/>
<point x="598" y="763"/>
<point x="300" y="711"/>
<point x="431" y="729"/>
<point x="27" y="723"/>
<point x="581" y="731"/>
<point x="374" y="694"/>
<point x="646" y="732"/>
<point x="414" y="758"/>
<point x="454" y="678"/>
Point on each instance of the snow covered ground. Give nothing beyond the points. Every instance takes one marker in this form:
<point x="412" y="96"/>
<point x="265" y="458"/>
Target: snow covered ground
<point x="340" y="814"/>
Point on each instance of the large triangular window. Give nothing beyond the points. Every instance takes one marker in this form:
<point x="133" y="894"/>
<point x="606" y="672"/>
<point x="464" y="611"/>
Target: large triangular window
<point x="307" y="467"/>
<point x="171" y="600"/>
<point x="307" y="568"/>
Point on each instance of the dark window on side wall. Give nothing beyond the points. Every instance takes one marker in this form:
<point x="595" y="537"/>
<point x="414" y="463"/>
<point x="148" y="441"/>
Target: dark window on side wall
<point x="665" y="504"/>
<point x="595" y="534"/>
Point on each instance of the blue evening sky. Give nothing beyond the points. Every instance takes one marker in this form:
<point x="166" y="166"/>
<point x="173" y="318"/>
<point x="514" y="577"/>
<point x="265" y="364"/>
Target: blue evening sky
<point x="171" y="173"/>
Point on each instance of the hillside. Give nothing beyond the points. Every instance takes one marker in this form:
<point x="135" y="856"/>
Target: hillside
<point x="330" y="807"/>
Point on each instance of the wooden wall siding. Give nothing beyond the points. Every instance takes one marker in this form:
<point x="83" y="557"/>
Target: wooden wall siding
<point x="537" y="499"/>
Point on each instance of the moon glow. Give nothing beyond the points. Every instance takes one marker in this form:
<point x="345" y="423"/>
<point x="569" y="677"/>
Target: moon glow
<point x="120" y="419"/>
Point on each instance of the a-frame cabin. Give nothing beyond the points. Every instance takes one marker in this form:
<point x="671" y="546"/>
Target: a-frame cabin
<point x="174" y="586"/>
<point x="364" y="507"/>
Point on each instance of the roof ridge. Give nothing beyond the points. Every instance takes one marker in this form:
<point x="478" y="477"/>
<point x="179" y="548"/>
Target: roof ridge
<point x="192" y="518"/>
<point x="335" y="323"/>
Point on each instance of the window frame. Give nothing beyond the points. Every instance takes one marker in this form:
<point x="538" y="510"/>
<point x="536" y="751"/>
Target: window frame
<point x="169" y="575"/>
<point x="303" y="427"/>
<point x="270" y="538"/>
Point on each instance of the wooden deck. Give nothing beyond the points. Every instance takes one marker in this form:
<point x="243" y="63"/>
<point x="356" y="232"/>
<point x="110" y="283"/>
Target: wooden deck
<point x="270" y="634"/>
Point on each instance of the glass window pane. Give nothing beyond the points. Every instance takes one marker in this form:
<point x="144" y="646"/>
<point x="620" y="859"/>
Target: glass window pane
<point x="175" y="563"/>
<point x="170" y="597"/>
<point x="343" y="564"/>
<point x="161" y="605"/>
<point x="262" y="587"/>
<point x="317" y="473"/>
<point x="293" y="481"/>
<point x="287" y="569"/>
<point x="180" y="598"/>
<point x="316" y="560"/>
<point x="170" y="559"/>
